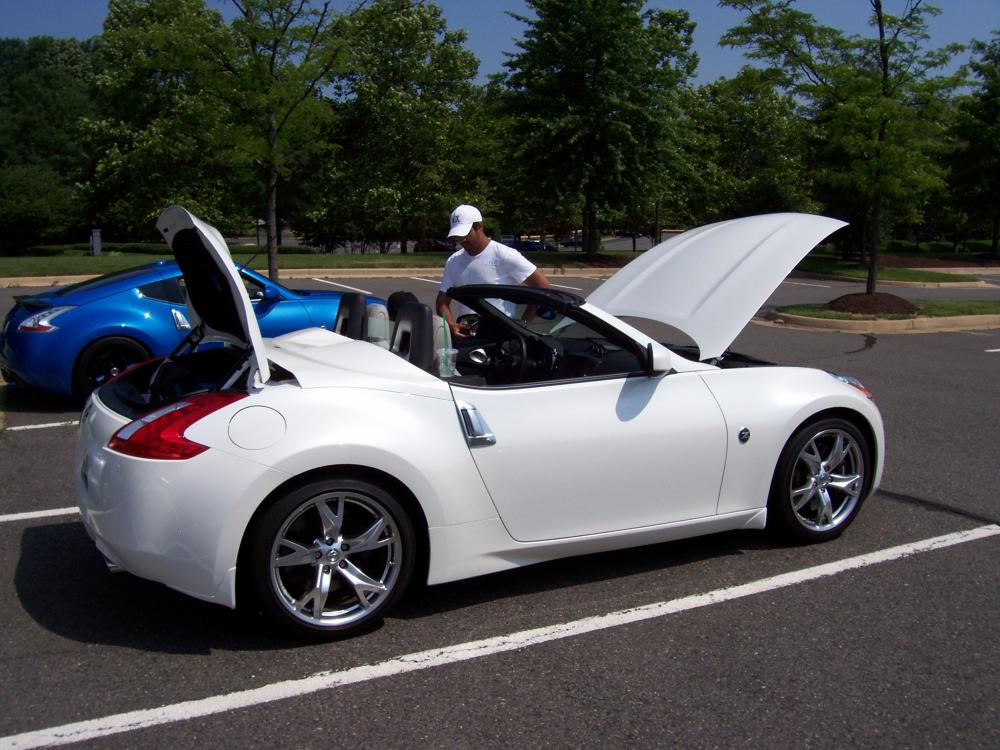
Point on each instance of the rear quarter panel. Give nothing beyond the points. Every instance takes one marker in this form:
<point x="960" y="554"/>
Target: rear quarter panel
<point x="417" y="440"/>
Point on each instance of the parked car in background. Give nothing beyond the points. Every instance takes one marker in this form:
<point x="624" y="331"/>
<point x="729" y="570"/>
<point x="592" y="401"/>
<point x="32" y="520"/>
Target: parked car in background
<point x="531" y="246"/>
<point x="573" y="241"/>
<point x="74" y="338"/>
<point x="433" y="246"/>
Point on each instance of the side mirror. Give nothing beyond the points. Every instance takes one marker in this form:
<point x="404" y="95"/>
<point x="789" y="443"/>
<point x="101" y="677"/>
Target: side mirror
<point x="658" y="361"/>
<point x="270" y="294"/>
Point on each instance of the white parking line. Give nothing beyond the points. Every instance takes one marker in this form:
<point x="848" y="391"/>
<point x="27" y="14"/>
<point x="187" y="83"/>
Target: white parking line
<point x="991" y="351"/>
<point x="33" y="515"/>
<point x="427" y="281"/>
<point x="217" y="704"/>
<point x="71" y="423"/>
<point x="802" y="283"/>
<point x="563" y="286"/>
<point x="342" y="286"/>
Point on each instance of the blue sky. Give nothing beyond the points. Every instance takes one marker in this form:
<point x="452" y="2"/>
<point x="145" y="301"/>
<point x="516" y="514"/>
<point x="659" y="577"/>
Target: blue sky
<point x="491" y="31"/>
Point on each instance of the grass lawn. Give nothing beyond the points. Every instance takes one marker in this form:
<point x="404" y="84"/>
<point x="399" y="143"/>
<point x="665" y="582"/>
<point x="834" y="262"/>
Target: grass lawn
<point x="930" y="309"/>
<point x="833" y="267"/>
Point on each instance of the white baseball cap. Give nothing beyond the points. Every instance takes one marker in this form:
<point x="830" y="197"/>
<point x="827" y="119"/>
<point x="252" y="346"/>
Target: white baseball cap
<point x="462" y="219"/>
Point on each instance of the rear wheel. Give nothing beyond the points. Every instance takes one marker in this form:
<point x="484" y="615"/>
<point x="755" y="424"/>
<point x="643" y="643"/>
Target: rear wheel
<point x="105" y="358"/>
<point x="329" y="559"/>
<point x="820" y="481"/>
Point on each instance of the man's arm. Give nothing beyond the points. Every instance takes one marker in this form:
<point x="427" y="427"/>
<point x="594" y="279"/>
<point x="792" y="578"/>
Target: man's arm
<point x="442" y="304"/>
<point x="537" y="279"/>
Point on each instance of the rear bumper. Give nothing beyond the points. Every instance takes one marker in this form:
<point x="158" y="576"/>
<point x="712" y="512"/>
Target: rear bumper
<point x="37" y="359"/>
<point x="176" y="522"/>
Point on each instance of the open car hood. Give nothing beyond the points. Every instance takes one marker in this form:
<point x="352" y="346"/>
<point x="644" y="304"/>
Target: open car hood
<point x="710" y="281"/>
<point x="215" y="291"/>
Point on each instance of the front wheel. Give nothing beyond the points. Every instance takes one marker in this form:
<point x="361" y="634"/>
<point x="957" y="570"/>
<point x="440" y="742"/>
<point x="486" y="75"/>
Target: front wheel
<point x="329" y="559"/>
<point x="820" y="480"/>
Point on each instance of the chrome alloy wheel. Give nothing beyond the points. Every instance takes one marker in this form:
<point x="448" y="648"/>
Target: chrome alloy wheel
<point x="827" y="480"/>
<point x="335" y="559"/>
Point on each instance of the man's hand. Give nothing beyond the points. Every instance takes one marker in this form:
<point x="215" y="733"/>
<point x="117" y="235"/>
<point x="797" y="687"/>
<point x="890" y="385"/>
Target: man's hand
<point x="460" y="330"/>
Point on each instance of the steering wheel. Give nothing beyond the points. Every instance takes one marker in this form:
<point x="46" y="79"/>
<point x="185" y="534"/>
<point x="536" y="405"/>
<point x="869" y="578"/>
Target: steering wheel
<point x="511" y="359"/>
<point x="553" y="353"/>
<point x="472" y="321"/>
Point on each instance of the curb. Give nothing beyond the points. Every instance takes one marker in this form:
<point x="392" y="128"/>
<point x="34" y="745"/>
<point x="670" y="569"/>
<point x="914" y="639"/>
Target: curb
<point x="910" y="325"/>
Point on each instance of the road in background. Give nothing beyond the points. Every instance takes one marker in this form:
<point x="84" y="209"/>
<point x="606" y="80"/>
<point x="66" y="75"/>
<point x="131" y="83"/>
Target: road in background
<point x="897" y="654"/>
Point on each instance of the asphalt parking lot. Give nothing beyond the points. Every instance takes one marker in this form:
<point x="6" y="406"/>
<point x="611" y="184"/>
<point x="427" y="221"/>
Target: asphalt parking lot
<point x="724" y="641"/>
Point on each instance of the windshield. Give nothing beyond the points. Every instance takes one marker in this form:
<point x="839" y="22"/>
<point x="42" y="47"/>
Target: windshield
<point x="537" y="343"/>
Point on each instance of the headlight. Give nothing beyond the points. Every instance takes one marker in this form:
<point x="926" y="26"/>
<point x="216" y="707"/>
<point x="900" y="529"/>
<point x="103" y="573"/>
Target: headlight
<point x="42" y="322"/>
<point x="853" y="382"/>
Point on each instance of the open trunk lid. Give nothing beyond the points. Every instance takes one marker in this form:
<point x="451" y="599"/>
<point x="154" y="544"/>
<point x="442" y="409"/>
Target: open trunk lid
<point x="216" y="294"/>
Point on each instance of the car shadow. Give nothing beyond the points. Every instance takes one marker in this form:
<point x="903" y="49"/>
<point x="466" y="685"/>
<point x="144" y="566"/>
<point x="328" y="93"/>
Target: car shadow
<point x="92" y="606"/>
<point x="579" y="571"/>
<point x="63" y="584"/>
<point x="19" y="399"/>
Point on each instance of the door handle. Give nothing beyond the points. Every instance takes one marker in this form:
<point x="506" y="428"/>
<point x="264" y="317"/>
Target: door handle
<point x="477" y="432"/>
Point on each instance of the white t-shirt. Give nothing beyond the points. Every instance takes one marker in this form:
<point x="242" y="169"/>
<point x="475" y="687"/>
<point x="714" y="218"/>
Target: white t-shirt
<point x="496" y="264"/>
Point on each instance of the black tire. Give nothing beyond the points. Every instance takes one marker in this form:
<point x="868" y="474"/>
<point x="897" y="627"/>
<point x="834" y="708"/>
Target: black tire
<point x="103" y="359"/>
<point x="347" y="536"/>
<point x="820" y="482"/>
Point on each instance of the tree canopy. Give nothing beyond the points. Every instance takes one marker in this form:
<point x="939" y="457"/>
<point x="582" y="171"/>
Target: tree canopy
<point x="872" y="98"/>
<point x="362" y="123"/>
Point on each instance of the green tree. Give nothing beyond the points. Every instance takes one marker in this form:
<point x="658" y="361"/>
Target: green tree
<point x="46" y="91"/>
<point x="36" y="205"/>
<point x="400" y="138"/>
<point x="257" y="82"/>
<point x="270" y="70"/>
<point x="975" y="163"/>
<point x="589" y="91"/>
<point x="874" y="100"/>
<point x="754" y="149"/>
<point x="157" y="138"/>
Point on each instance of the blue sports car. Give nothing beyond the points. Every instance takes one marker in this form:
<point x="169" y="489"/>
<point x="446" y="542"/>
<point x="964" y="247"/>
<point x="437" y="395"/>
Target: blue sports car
<point x="74" y="338"/>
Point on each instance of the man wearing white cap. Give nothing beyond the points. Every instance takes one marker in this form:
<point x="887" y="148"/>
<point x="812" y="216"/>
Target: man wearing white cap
<point x="480" y="261"/>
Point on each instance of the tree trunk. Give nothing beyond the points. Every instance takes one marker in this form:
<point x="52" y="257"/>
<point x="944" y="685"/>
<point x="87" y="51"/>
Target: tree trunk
<point x="271" y="219"/>
<point x="657" y="227"/>
<point x="589" y="226"/>
<point x="996" y="235"/>
<point x="874" y="239"/>
<point x="404" y="245"/>
<point x="271" y="222"/>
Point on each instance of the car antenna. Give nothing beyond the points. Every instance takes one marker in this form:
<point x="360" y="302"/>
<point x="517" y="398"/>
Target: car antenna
<point x="246" y="266"/>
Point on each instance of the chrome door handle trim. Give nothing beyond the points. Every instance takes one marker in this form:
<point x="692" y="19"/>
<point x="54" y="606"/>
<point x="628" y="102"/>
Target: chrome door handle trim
<point x="477" y="432"/>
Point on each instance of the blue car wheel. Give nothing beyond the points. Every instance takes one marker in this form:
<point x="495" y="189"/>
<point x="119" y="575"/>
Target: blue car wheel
<point x="103" y="359"/>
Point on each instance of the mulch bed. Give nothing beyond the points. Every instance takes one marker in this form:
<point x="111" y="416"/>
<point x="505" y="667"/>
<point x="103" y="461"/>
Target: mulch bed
<point x="879" y="303"/>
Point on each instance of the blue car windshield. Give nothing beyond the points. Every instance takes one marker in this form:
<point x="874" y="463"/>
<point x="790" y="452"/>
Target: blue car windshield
<point x="111" y="278"/>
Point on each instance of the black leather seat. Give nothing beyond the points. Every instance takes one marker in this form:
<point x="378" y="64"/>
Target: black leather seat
<point x="352" y="316"/>
<point x="413" y="335"/>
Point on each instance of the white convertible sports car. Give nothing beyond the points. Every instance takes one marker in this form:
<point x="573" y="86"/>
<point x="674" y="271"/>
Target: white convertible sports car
<point x="314" y="475"/>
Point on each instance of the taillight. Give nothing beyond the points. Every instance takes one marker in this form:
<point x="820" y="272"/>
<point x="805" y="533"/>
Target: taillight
<point x="42" y="322"/>
<point x="160" y="434"/>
